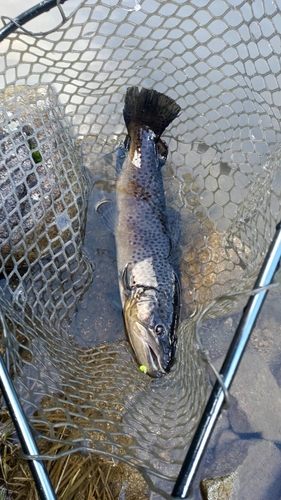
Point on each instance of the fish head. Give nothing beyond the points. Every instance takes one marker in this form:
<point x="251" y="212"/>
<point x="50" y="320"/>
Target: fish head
<point x="151" y="332"/>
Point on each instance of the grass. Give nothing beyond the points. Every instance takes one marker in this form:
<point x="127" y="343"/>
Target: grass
<point x="73" y="476"/>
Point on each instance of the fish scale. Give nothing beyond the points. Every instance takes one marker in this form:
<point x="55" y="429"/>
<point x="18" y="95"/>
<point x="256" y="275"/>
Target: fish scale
<point x="148" y="283"/>
<point x="142" y="220"/>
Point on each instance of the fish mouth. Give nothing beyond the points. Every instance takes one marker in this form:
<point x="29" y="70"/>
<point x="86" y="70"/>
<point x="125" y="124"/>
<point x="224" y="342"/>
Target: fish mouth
<point x="148" y="351"/>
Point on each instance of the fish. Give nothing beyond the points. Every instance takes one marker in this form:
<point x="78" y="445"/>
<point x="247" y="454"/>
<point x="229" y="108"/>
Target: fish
<point x="149" y="282"/>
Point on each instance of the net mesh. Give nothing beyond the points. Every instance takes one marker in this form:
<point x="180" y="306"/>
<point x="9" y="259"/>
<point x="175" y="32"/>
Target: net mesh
<point x="60" y="125"/>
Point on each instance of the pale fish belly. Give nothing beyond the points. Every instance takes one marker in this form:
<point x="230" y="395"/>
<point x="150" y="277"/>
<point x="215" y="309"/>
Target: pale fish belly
<point x="144" y="272"/>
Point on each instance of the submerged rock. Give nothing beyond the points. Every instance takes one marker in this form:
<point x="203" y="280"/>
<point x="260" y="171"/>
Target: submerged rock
<point x="259" y="476"/>
<point x="258" y="397"/>
<point x="219" y="488"/>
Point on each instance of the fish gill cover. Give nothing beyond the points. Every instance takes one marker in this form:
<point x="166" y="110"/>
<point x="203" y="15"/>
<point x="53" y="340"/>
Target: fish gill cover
<point x="61" y="117"/>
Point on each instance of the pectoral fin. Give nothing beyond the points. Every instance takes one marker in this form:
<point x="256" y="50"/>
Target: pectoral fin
<point x="107" y="211"/>
<point x="125" y="282"/>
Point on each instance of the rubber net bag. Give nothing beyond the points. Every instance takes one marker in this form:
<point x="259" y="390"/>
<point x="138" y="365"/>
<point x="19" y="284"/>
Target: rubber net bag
<point x="63" y="80"/>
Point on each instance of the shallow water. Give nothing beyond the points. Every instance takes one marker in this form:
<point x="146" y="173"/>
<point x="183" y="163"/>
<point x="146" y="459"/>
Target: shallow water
<point x="207" y="270"/>
<point x="237" y="435"/>
<point x="247" y="438"/>
<point x="221" y="62"/>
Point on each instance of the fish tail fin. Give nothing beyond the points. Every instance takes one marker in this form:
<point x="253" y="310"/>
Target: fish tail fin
<point x="149" y="108"/>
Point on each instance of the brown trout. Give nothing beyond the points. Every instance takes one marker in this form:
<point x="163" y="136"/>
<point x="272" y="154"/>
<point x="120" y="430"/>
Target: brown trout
<point x="149" y="284"/>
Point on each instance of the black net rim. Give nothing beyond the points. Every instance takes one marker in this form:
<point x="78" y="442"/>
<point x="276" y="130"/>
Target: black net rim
<point x="27" y="16"/>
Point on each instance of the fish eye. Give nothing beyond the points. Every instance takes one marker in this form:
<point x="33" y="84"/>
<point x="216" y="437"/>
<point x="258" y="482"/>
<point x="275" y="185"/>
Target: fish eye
<point x="159" y="329"/>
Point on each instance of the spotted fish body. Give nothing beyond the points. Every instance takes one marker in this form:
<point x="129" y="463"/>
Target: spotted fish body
<point x="149" y="286"/>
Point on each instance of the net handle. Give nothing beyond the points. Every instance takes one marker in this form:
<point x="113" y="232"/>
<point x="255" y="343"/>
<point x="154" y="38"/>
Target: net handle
<point x="28" y="15"/>
<point x="29" y="446"/>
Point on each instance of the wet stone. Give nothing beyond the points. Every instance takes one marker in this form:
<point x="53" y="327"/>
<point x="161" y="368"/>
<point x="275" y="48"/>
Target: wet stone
<point x="259" y="476"/>
<point x="229" y="453"/>
<point x="220" y="488"/>
<point x="238" y="418"/>
<point x="258" y="397"/>
<point x="227" y="438"/>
